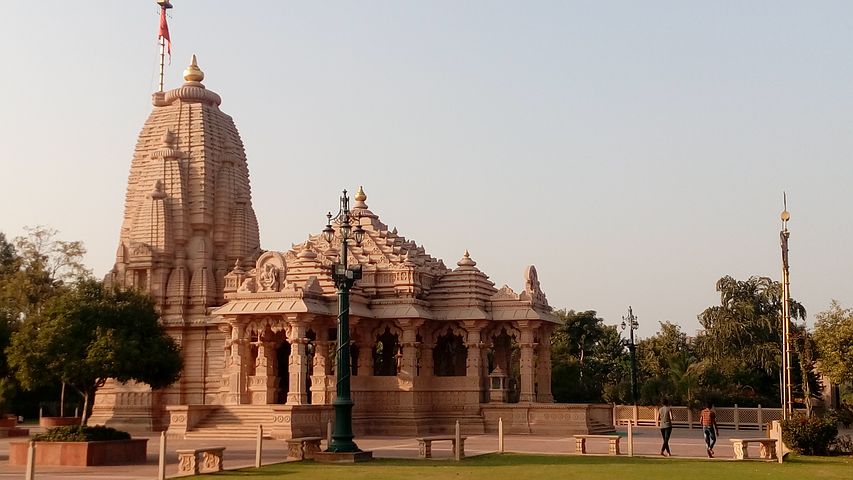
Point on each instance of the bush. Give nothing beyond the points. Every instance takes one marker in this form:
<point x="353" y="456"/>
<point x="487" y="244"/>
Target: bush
<point x="843" y="445"/>
<point x="810" y="435"/>
<point x="76" y="433"/>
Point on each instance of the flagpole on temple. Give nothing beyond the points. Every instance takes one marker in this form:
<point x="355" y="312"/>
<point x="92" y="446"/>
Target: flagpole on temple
<point x="163" y="36"/>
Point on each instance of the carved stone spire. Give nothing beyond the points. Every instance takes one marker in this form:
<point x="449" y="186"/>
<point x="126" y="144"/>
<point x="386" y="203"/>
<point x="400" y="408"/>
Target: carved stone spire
<point x="188" y="209"/>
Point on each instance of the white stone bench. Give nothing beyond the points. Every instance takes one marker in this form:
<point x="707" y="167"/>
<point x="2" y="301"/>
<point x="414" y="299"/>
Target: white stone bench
<point x="580" y="443"/>
<point x="767" y="450"/>
<point x="303" y="448"/>
<point x="200" y="460"/>
<point x="425" y="445"/>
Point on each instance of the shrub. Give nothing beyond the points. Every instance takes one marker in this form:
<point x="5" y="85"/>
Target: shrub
<point x="843" y="445"/>
<point x="76" y="433"/>
<point x="810" y="435"/>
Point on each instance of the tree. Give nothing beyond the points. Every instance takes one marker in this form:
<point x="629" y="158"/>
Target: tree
<point x="654" y="353"/>
<point x="586" y="355"/>
<point x="741" y="343"/>
<point x="833" y="337"/>
<point x="91" y="333"/>
<point x="33" y="268"/>
<point x="666" y="366"/>
<point x="9" y="264"/>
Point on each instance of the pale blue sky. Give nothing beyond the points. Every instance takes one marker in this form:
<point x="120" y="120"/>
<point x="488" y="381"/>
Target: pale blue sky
<point x="633" y="151"/>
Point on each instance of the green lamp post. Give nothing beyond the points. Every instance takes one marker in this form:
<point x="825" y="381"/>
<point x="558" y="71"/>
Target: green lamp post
<point x="345" y="277"/>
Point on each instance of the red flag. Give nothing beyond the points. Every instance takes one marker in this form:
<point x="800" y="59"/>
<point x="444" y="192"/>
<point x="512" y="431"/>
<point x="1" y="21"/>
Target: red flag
<point x="164" y="33"/>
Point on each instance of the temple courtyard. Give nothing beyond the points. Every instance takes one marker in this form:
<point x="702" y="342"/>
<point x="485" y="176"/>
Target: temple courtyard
<point x="397" y="455"/>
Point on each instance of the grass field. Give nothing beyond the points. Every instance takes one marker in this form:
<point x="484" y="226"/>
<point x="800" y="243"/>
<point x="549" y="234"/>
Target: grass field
<point x="544" y="467"/>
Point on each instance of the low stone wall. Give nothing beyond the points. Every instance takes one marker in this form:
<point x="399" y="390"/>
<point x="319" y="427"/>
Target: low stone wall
<point x="548" y="418"/>
<point x="82" y="454"/>
<point x="291" y="421"/>
<point x="182" y="418"/>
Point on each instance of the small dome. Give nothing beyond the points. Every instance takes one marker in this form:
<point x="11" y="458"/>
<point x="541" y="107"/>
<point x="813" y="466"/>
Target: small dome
<point x="193" y="73"/>
<point x="466" y="261"/>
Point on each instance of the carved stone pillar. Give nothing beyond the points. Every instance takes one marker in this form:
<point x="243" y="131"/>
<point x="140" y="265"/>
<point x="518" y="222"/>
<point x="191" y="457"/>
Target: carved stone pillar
<point x="298" y="364"/>
<point x="474" y="365"/>
<point x="365" y="355"/>
<point x="427" y="361"/>
<point x="322" y="391"/>
<point x="234" y="377"/>
<point x="263" y="385"/>
<point x="543" y="367"/>
<point x="409" y="362"/>
<point x="527" y="366"/>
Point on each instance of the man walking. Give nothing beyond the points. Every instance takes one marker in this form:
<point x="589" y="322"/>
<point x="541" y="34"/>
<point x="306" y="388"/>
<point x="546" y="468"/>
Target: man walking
<point x="665" y="422"/>
<point x="708" y="419"/>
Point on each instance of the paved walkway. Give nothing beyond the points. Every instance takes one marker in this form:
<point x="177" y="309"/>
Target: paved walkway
<point x="241" y="453"/>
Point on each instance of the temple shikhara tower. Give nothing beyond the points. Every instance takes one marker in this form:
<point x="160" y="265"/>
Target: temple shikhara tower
<point x="430" y="344"/>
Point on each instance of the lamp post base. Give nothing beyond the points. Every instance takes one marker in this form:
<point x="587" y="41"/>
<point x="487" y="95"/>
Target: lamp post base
<point x="343" y="457"/>
<point x="342" y="434"/>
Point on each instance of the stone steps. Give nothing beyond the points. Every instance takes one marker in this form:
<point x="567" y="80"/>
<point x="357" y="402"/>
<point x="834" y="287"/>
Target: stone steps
<point x="233" y="421"/>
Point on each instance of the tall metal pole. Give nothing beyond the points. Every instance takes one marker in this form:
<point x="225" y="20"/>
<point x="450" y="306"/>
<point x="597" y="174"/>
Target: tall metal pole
<point x="788" y="405"/>
<point x="164" y="5"/>
<point x="630" y="322"/>
<point x="345" y="277"/>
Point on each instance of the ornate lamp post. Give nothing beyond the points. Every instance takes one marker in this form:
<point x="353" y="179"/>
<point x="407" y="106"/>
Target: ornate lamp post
<point x="630" y="322"/>
<point x="344" y="277"/>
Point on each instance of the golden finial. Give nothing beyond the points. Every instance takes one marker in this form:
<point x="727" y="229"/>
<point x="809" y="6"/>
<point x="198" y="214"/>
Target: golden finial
<point x="467" y="255"/>
<point x="193" y="73"/>
<point x="360" y="196"/>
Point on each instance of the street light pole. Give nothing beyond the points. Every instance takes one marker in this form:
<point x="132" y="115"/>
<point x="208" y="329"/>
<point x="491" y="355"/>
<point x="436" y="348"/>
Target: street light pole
<point x="786" y="387"/>
<point x="344" y="277"/>
<point x="630" y="322"/>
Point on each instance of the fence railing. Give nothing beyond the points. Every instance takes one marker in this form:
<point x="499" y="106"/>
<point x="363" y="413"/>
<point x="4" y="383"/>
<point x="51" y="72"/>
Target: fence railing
<point x="735" y="418"/>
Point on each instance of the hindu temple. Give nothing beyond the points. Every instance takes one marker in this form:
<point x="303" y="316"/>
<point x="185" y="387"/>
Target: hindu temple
<point x="431" y="344"/>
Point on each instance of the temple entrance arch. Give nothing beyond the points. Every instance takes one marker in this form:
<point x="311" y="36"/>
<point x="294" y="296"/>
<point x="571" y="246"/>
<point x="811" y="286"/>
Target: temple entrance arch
<point x="385" y="353"/>
<point x="450" y="354"/>
<point x="504" y="352"/>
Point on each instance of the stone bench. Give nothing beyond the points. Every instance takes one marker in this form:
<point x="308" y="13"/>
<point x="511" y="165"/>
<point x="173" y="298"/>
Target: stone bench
<point x="580" y="443"/>
<point x="425" y="445"/>
<point x="200" y="460"/>
<point x="303" y="448"/>
<point x="767" y="450"/>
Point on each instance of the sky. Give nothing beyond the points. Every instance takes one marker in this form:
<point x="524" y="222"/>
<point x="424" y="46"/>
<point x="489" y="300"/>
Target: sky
<point x="634" y="152"/>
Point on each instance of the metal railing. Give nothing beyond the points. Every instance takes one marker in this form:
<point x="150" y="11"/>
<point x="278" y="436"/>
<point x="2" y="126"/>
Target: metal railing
<point x="735" y="418"/>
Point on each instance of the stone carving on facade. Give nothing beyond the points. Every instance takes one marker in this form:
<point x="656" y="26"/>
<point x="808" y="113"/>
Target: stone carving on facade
<point x="532" y="290"/>
<point x="248" y="285"/>
<point x="269" y="278"/>
<point x="505" y="293"/>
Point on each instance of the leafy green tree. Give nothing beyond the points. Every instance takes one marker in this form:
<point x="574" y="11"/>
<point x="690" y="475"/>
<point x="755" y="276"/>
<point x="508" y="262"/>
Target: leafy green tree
<point x="90" y="333"/>
<point x="833" y="337"/>
<point x="586" y="356"/>
<point x="665" y="366"/>
<point x="9" y="264"/>
<point x="33" y="268"/>
<point x="741" y="343"/>
<point x="654" y="353"/>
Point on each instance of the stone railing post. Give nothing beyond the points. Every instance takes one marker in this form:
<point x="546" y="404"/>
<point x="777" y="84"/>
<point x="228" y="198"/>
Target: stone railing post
<point x="737" y="419"/>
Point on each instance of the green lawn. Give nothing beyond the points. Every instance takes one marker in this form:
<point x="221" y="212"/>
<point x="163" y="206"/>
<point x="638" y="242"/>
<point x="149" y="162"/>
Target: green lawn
<point x="544" y="467"/>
